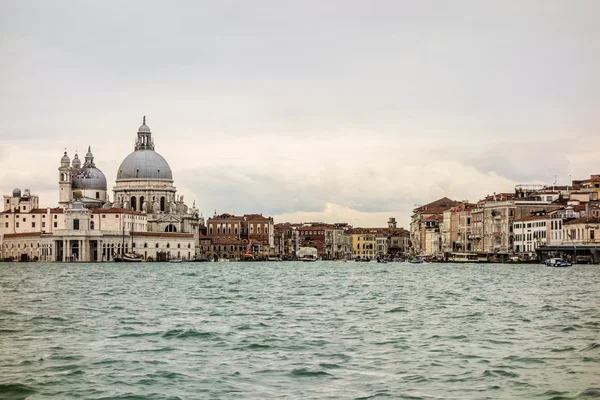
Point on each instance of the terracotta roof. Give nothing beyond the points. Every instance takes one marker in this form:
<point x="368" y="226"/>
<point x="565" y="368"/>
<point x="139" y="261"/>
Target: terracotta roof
<point x="56" y="210"/>
<point x="225" y="216"/>
<point x="20" y="235"/>
<point x="583" y="220"/>
<point x="115" y="210"/>
<point x="164" y="234"/>
<point x="254" y="217"/>
<point x="437" y="206"/>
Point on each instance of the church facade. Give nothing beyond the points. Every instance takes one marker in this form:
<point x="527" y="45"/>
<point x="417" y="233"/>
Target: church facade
<point x="146" y="216"/>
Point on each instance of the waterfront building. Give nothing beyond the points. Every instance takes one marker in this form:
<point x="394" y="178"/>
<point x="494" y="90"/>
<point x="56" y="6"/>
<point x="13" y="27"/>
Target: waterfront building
<point x="232" y="236"/>
<point x="425" y="226"/>
<point x="147" y="216"/>
<point x="582" y="231"/>
<point x="531" y="232"/>
<point x="363" y="243"/>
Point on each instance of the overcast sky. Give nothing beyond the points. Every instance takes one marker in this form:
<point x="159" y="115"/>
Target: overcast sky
<point x="326" y="110"/>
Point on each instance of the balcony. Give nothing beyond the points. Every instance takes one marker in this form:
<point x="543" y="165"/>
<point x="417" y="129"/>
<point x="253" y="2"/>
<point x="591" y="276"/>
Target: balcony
<point x="497" y="234"/>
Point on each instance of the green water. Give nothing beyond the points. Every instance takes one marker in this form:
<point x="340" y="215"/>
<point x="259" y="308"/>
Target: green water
<point x="320" y="330"/>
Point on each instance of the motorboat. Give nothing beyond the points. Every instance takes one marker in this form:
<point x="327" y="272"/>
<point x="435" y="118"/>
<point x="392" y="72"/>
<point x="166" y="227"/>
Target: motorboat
<point x="416" y="260"/>
<point x="558" y="262"/>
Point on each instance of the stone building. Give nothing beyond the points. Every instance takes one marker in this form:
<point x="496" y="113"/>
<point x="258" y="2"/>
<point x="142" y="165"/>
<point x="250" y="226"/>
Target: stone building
<point x="146" y="217"/>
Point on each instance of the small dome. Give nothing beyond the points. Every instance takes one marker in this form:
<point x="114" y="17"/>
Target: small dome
<point x="144" y="128"/>
<point x="17" y="192"/>
<point x="89" y="177"/>
<point x="145" y="165"/>
<point x="65" y="159"/>
<point x="76" y="162"/>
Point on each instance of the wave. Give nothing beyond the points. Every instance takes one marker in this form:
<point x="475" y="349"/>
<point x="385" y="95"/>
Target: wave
<point x="397" y="309"/>
<point x="15" y="391"/>
<point x="304" y="372"/>
<point x="592" y="346"/>
<point x="185" y="334"/>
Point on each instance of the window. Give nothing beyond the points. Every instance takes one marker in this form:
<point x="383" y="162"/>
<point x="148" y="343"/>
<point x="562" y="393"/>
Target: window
<point x="33" y="224"/>
<point x="92" y="225"/>
<point x="56" y="224"/>
<point x="6" y="225"/>
<point x="55" y="216"/>
<point x="97" y="195"/>
<point x="43" y="224"/>
<point x="103" y="216"/>
<point x="76" y="224"/>
<point x="592" y="235"/>
<point x="17" y="224"/>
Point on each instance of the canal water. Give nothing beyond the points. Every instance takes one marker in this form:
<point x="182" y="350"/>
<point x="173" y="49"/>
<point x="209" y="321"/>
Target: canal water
<point x="323" y="330"/>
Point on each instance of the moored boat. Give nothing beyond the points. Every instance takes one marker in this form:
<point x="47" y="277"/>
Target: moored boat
<point x="558" y="262"/>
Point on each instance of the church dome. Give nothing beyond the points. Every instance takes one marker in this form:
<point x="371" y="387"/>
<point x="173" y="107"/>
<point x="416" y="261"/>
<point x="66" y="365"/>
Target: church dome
<point x="144" y="165"/>
<point x="65" y="159"/>
<point x="88" y="176"/>
<point x="76" y="162"/>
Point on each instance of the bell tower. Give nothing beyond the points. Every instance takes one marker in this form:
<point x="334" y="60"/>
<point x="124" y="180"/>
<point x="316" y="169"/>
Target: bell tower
<point x="65" y="181"/>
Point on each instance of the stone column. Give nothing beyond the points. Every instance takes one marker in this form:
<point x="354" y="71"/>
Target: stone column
<point x="64" y="258"/>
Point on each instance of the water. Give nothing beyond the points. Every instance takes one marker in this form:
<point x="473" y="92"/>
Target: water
<point x="298" y="330"/>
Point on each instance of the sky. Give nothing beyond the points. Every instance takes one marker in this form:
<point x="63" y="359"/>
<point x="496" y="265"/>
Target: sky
<point x="333" y="111"/>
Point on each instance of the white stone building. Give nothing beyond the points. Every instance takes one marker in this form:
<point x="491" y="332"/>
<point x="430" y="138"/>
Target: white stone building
<point x="147" y="216"/>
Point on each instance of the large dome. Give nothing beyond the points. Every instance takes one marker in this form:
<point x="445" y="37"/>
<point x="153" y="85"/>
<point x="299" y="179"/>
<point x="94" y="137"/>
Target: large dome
<point x="144" y="165"/>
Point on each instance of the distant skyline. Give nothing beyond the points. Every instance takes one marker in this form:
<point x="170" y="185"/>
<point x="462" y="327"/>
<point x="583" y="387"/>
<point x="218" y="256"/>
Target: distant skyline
<point x="337" y="111"/>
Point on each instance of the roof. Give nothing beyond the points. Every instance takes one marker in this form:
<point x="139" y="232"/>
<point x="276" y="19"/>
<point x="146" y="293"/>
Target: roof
<point x="56" y="210"/>
<point x="437" y="206"/>
<point x="583" y="220"/>
<point x="254" y="217"/>
<point x="164" y="234"/>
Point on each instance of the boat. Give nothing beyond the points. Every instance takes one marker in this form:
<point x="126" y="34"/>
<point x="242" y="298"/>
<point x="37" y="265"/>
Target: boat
<point x="308" y="258"/>
<point x="558" y="262"/>
<point x="129" y="257"/>
<point x="468" y="257"/>
<point x="416" y="260"/>
<point x="382" y="260"/>
<point x="175" y="260"/>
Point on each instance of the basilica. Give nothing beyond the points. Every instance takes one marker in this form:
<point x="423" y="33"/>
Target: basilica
<point x="146" y="217"/>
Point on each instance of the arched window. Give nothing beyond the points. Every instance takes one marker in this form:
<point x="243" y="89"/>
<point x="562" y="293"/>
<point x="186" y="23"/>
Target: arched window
<point x="171" y="228"/>
<point x="133" y="203"/>
<point x="157" y="245"/>
<point x="162" y="203"/>
<point x="141" y="202"/>
<point x="168" y="245"/>
<point x="178" y="245"/>
<point x="145" y="244"/>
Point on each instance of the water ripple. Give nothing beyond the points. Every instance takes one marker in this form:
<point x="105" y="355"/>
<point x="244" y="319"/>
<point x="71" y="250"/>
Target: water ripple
<point x="296" y="330"/>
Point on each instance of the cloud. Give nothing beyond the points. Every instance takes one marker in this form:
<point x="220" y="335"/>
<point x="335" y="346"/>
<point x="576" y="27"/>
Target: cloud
<point x="339" y="109"/>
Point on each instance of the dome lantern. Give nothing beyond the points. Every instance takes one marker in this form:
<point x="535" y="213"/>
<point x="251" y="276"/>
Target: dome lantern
<point x="144" y="137"/>
<point x="76" y="162"/>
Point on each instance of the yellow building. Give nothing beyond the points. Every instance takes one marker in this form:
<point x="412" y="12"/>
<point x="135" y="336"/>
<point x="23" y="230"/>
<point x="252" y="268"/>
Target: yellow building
<point x="364" y="244"/>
